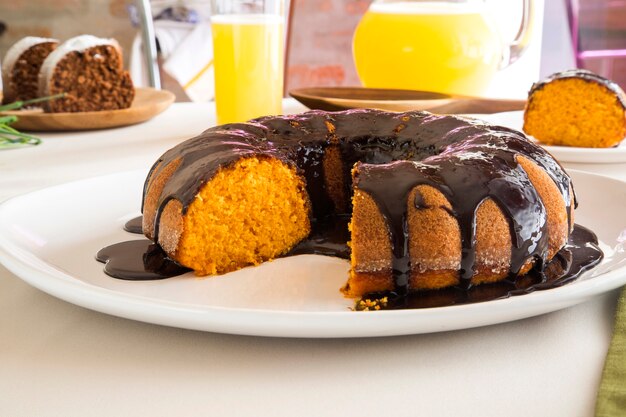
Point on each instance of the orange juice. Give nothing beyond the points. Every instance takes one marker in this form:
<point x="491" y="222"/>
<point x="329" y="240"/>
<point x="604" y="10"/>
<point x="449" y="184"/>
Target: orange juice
<point x="248" y="59"/>
<point x="448" y="48"/>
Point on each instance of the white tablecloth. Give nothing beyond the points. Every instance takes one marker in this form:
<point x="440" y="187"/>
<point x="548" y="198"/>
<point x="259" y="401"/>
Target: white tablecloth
<point x="57" y="359"/>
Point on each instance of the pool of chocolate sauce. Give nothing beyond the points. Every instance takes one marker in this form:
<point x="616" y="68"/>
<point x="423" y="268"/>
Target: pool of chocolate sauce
<point x="134" y="225"/>
<point x="140" y="260"/>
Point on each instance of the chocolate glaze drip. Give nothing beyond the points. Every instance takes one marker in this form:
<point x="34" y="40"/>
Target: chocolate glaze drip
<point x="330" y="237"/>
<point x="579" y="255"/>
<point x="134" y="225"/>
<point x="467" y="176"/>
<point x="467" y="160"/>
<point x="138" y="260"/>
<point x="585" y="75"/>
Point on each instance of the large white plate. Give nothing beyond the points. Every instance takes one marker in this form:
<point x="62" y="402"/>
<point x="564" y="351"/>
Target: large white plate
<point x="49" y="239"/>
<point x="515" y="120"/>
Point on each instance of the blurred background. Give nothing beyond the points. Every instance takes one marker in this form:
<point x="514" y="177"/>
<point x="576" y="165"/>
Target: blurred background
<point x="587" y="33"/>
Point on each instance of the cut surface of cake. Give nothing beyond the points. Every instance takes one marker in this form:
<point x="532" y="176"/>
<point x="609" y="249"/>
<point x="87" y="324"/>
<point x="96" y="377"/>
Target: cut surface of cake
<point x="21" y="66"/>
<point x="89" y="70"/>
<point x="252" y="205"/>
<point x="435" y="201"/>
<point x="576" y="108"/>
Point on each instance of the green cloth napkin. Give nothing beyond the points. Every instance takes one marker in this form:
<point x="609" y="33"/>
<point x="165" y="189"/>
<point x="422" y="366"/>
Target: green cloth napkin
<point x="611" y="401"/>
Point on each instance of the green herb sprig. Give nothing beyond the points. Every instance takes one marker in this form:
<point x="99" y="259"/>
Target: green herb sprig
<point x="11" y="137"/>
<point x="16" y="105"/>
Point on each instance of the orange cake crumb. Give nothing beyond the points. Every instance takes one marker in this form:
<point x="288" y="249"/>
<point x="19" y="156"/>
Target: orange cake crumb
<point x="251" y="212"/>
<point x="576" y="111"/>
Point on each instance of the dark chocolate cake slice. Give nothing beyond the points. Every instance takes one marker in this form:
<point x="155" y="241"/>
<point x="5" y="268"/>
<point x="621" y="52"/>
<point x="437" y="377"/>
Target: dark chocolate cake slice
<point x="21" y="65"/>
<point x="89" y="70"/>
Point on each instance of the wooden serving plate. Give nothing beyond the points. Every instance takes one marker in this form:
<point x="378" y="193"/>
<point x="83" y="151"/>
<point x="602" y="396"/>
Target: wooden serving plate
<point x="148" y="103"/>
<point x="343" y="98"/>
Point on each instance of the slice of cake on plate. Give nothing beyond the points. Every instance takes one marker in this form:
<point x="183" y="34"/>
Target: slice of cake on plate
<point x="576" y="108"/>
<point x="21" y="65"/>
<point x="89" y="70"/>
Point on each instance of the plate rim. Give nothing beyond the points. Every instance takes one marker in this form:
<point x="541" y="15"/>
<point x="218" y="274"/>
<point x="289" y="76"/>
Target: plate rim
<point x="286" y="323"/>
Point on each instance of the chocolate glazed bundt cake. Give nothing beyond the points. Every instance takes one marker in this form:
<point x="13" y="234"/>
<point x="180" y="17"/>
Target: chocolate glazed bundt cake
<point x="436" y="201"/>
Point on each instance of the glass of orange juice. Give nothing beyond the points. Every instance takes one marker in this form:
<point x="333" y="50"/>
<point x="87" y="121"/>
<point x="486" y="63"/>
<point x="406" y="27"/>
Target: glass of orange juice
<point x="446" y="46"/>
<point x="248" y="48"/>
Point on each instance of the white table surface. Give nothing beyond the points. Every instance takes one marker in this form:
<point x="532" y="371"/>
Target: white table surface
<point x="57" y="359"/>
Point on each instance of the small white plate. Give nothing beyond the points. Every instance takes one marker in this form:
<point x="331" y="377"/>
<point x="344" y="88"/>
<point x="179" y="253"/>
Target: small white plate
<point x="49" y="239"/>
<point x="515" y="120"/>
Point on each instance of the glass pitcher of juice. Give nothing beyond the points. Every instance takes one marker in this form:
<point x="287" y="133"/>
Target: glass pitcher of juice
<point x="448" y="46"/>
